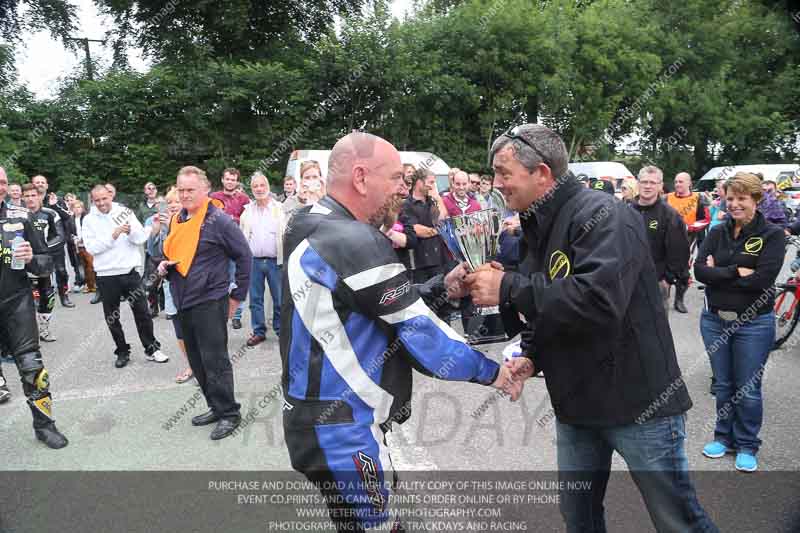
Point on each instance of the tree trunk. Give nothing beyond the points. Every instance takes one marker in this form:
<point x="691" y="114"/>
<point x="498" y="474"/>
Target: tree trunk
<point x="572" y="146"/>
<point x="701" y="155"/>
<point x="532" y="108"/>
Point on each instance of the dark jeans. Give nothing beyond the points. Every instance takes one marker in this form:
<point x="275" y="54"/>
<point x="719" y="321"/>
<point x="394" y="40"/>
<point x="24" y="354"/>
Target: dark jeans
<point x="75" y="261"/>
<point x="737" y="363"/>
<point x="62" y="277"/>
<point x="269" y="269"/>
<point x="205" y="332"/>
<point x="130" y="287"/>
<point x="232" y="274"/>
<point x="654" y="452"/>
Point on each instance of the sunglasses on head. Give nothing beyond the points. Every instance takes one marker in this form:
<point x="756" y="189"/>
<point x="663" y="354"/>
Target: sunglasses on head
<point x="513" y="134"/>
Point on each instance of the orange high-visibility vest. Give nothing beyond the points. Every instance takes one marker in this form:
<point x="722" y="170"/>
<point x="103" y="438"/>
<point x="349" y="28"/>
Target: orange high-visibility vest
<point x="686" y="206"/>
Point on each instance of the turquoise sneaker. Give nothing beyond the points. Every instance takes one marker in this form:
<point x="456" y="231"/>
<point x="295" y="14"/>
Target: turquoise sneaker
<point x="715" y="450"/>
<point x="746" y="462"/>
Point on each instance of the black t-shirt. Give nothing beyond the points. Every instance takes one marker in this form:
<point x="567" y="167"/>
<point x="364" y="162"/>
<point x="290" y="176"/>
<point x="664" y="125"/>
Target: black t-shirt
<point x="428" y="251"/>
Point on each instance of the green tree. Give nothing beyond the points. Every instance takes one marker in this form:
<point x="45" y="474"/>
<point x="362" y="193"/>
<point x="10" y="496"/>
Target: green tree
<point x="607" y="72"/>
<point x="232" y="86"/>
<point x="20" y="16"/>
<point x="732" y="94"/>
<point x="191" y="30"/>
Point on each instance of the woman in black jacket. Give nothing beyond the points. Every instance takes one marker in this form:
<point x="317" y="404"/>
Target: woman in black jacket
<point x="738" y="262"/>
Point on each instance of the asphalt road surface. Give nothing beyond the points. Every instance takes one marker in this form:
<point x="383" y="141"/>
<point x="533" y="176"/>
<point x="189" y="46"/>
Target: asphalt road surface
<point x="138" y="419"/>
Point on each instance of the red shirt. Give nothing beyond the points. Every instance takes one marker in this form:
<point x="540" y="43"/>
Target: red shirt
<point x="454" y="210"/>
<point x="234" y="203"/>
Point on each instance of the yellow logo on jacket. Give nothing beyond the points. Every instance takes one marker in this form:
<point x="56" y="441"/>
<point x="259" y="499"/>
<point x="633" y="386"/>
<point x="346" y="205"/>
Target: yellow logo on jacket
<point x="559" y="266"/>
<point x="653" y="224"/>
<point x="753" y="245"/>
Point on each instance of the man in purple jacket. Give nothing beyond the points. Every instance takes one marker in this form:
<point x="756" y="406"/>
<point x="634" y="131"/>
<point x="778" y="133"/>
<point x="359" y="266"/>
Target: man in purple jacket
<point x="770" y="205"/>
<point x="198" y="279"/>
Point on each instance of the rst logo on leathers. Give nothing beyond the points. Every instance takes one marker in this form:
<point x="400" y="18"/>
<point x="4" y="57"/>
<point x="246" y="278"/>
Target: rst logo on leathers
<point x="393" y="294"/>
<point x="365" y="465"/>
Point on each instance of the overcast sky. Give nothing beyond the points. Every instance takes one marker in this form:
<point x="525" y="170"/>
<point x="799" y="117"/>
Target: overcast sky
<point x="41" y="60"/>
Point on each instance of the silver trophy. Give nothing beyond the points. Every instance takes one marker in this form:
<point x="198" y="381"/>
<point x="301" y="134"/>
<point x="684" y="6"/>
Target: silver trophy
<point x="472" y="238"/>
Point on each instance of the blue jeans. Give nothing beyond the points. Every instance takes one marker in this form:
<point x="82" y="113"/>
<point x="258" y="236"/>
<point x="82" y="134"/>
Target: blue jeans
<point x="654" y="452"/>
<point x="738" y="357"/>
<point x="237" y="315"/>
<point x="271" y="270"/>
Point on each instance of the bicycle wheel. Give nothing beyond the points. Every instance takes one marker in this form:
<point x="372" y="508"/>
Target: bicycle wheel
<point x="786" y="314"/>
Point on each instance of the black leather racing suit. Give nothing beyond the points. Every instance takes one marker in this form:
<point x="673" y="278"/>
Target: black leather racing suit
<point x="352" y="329"/>
<point x="47" y="224"/>
<point x="65" y="225"/>
<point x="18" y="329"/>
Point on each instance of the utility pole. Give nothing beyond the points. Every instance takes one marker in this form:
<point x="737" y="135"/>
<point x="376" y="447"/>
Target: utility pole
<point x="85" y="42"/>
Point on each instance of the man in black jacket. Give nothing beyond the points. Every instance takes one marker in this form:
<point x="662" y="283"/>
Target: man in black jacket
<point x="669" y="244"/>
<point x="59" y="259"/>
<point x="47" y="224"/>
<point x="423" y="211"/>
<point x="18" y="333"/>
<point x="616" y="386"/>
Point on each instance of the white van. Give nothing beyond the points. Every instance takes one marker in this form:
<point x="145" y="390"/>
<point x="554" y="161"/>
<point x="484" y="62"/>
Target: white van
<point x="776" y="173"/>
<point x="611" y="170"/>
<point x="418" y="159"/>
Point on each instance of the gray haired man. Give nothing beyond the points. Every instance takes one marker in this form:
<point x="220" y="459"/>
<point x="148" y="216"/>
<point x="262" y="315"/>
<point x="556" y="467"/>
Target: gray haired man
<point x="262" y="223"/>
<point x="666" y="232"/>
<point x="617" y="385"/>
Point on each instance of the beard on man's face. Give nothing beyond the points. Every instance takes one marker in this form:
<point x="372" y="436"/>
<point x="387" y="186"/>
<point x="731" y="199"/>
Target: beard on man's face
<point x="392" y="205"/>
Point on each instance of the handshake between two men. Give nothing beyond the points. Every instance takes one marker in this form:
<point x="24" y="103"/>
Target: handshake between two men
<point x="483" y="285"/>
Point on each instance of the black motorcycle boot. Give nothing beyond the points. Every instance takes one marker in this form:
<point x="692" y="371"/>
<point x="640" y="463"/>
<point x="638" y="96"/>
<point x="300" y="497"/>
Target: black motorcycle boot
<point x="45" y="428"/>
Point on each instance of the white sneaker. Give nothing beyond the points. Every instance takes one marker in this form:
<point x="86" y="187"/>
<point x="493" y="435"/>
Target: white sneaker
<point x="43" y="320"/>
<point x="157" y="356"/>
